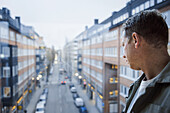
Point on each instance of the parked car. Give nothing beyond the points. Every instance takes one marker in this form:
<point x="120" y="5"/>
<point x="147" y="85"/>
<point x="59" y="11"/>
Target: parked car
<point x="40" y="108"/>
<point x="83" y="109"/>
<point x="79" y="102"/>
<point x="45" y="91"/>
<point x="71" y="85"/>
<point x="43" y="102"/>
<point x="63" y="82"/>
<point x="43" y="97"/>
<point x="73" y="90"/>
<point x="75" y="95"/>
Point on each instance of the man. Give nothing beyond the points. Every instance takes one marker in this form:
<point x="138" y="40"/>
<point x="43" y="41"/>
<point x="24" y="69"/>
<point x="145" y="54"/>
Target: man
<point x="145" y="45"/>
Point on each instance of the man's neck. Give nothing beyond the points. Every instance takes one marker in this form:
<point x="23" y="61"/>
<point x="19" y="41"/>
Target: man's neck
<point x="152" y="66"/>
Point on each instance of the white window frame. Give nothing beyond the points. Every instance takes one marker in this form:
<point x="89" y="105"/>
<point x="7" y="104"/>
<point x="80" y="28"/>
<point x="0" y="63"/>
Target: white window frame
<point x="7" y="69"/>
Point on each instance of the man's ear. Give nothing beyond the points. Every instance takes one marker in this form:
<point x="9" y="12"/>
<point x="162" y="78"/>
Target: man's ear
<point x="136" y="39"/>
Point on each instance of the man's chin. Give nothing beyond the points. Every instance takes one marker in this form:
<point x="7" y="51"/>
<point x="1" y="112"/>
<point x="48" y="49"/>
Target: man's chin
<point x="134" y="67"/>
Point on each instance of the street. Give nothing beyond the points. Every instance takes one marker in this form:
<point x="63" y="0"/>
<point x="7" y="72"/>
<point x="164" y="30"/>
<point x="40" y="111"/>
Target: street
<point x="59" y="97"/>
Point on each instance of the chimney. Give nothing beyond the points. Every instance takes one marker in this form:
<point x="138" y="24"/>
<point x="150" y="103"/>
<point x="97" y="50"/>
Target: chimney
<point x="17" y="18"/>
<point x="86" y="27"/>
<point x="114" y="12"/>
<point x="96" y="21"/>
<point x="5" y="11"/>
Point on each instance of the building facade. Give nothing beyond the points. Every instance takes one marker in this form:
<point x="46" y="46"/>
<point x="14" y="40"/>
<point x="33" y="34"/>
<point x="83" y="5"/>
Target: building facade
<point x="18" y="63"/>
<point x="70" y="58"/>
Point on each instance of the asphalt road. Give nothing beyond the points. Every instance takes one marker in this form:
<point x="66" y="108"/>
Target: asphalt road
<point x="59" y="97"/>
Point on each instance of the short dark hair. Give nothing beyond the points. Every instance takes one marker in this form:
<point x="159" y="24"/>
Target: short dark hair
<point x="151" y="25"/>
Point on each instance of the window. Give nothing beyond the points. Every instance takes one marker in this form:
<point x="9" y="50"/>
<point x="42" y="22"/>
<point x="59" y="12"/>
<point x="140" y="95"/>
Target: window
<point x="133" y="73"/>
<point x="121" y="88"/>
<point x="14" y="90"/>
<point x="120" y="18"/>
<point x="111" y="52"/>
<point x="6" y="51"/>
<point x="147" y="5"/>
<point x="167" y="15"/>
<point x="125" y="71"/>
<point x="14" y="52"/>
<point x="152" y="3"/>
<point x="18" y="38"/>
<point x="6" y="72"/>
<point x="12" y="35"/>
<point x="137" y="9"/>
<point x="6" y="92"/>
<point x="133" y="11"/>
<point x="141" y="7"/>
<point x="38" y="67"/>
<point x="137" y="73"/>
<point x="159" y="1"/>
<point x="125" y="92"/>
<point x="4" y="31"/>
<point x="113" y="108"/>
<point x="38" y="59"/>
<point x="128" y="73"/>
<point x="13" y="71"/>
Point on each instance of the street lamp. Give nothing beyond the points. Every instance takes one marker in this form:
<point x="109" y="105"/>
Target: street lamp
<point x="32" y="78"/>
<point x="80" y="77"/>
<point x="76" y="74"/>
<point x="39" y="76"/>
<point x="2" y="56"/>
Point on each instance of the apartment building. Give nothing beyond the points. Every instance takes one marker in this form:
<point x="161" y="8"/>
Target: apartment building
<point x="107" y="75"/>
<point x="26" y="65"/>
<point x="70" y="57"/>
<point x="18" y="63"/>
<point x="40" y="58"/>
<point x="9" y="65"/>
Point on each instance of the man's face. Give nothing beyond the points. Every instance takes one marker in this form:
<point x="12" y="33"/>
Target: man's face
<point x="130" y="53"/>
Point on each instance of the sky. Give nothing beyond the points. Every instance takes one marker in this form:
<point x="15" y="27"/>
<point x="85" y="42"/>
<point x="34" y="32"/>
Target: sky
<point x="56" y="20"/>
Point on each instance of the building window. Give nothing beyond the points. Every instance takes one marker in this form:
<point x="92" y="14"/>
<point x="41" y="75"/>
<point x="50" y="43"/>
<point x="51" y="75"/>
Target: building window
<point x="137" y="73"/>
<point x="159" y="1"/>
<point x="141" y="7"/>
<point x="146" y="4"/>
<point x="6" y="72"/>
<point x="14" y="90"/>
<point x="133" y="73"/>
<point x="12" y="35"/>
<point x="167" y="15"/>
<point x="133" y="11"/>
<point x="152" y="3"/>
<point x="38" y="59"/>
<point x="6" y="92"/>
<point x="121" y="88"/>
<point x="13" y="71"/>
<point x="6" y="51"/>
<point x="38" y="67"/>
<point x="14" y="52"/>
<point x="4" y="30"/>
<point x="113" y="108"/>
<point x="125" y="92"/>
<point x="137" y="10"/>
<point x="125" y="71"/>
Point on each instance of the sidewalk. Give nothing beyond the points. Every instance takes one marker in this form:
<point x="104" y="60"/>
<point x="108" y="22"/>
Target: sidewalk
<point x="88" y="103"/>
<point x="32" y="104"/>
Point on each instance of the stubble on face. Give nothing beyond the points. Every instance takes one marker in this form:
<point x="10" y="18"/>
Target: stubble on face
<point x="131" y="54"/>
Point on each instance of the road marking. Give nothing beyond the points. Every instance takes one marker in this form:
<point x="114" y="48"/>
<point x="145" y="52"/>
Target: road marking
<point x="59" y="95"/>
<point x="61" y="109"/>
